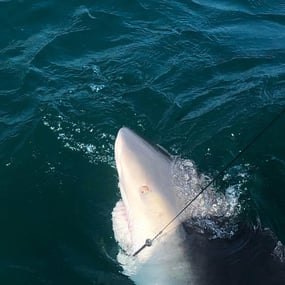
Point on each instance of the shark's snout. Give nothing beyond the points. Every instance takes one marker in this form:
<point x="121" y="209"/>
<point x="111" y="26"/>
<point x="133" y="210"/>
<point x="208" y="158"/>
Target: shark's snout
<point x="122" y="141"/>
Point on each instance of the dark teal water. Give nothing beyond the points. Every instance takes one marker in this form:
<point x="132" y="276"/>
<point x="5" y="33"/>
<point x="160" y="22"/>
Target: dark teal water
<point x="198" y="77"/>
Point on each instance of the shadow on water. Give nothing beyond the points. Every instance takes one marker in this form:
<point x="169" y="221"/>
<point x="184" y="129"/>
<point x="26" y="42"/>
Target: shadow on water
<point x="248" y="258"/>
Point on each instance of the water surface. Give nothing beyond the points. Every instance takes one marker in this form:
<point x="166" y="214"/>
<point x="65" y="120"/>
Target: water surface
<point x="199" y="78"/>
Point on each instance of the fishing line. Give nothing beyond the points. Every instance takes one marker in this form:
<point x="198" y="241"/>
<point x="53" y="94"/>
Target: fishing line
<point x="149" y="242"/>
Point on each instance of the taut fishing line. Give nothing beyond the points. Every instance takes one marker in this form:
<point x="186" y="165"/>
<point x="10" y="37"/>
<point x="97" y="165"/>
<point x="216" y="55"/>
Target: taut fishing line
<point x="149" y="242"/>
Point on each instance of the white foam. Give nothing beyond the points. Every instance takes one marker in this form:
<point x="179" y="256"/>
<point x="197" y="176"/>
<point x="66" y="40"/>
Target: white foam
<point x="279" y="251"/>
<point x="75" y="136"/>
<point x="213" y="212"/>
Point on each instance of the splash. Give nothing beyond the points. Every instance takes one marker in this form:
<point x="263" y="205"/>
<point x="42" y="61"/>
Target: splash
<point x="279" y="251"/>
<point x="93" y="143"/>
<point x="213" y="212"/>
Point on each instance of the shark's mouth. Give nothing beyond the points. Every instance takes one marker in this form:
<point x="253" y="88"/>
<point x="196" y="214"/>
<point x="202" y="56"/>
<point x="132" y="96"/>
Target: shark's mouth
<point x="123" y="232"/>
<point x="122" y="227"/>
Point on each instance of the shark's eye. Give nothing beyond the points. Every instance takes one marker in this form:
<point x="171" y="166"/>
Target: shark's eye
<point x="144" y="189"/>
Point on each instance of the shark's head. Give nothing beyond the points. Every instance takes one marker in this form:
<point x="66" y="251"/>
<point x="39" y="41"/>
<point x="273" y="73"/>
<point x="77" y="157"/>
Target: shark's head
<point x="182" y="254"/>
<point x="148" y="204"/>
<point x="148" y="201"/>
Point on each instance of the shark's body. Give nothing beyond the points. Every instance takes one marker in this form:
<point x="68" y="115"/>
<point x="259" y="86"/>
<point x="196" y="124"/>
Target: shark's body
<point x="182" y="254"/>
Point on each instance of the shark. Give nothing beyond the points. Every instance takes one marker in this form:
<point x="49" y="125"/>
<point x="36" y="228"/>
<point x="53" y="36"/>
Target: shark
<point x="206" y="245"/>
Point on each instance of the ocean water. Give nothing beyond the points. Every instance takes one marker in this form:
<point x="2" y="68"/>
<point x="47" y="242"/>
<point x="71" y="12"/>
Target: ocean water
<point x="198" y="77"/>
